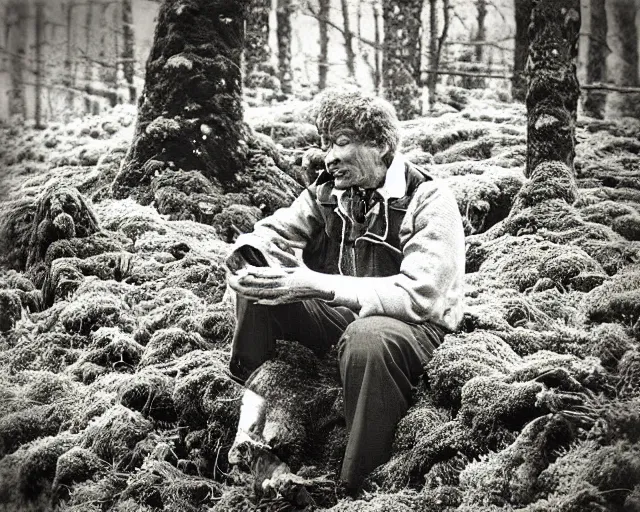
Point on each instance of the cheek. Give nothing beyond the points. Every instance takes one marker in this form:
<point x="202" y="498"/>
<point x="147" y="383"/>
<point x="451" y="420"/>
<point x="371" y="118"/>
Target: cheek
<point x="366" y="158"/>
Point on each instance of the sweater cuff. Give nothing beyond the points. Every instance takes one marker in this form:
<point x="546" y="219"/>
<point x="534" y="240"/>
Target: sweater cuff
<point x="345" y="292"/>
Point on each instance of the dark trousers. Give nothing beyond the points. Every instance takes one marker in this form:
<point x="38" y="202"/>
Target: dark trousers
<point x="381" y="359"/>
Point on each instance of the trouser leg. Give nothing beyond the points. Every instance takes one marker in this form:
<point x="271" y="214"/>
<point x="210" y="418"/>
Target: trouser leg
<point x="381" y="359"/>
<point x="312" y="323"/>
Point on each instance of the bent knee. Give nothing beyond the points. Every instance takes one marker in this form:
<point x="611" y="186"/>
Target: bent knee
<point x="368" y="336"/>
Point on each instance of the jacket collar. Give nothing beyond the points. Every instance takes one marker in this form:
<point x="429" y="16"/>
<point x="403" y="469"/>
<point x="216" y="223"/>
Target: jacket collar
<point x="395" y="181"/>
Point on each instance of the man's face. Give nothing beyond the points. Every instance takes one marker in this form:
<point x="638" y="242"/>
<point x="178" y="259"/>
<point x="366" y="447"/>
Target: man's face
<point x="351" y="162"/>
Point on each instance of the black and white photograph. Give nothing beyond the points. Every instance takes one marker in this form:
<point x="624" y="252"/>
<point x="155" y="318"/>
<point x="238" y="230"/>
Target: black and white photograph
<point x="320" y="255"/>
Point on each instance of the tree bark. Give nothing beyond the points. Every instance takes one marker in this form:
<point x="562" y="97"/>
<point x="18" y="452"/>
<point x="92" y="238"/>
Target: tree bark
<point x="553" y="92"/>
<point x="624" y="44"/>
<point x="190" y="111"/>
<point x="348" y="39"/>
<point x="283" y="16"/>
<point x="377" y="76"/>
<point x="39" y="74"/>
<point x="128" y="48"/>
<point x="88" y="66"/>
<point x="256" y="43"/>
<point x="523" y="17"/>
<point x="18" y="12"/>
<point x="596" y="60"/>
<point x="108" y="60"/>
<point x="323" y="58"/>
<point x="68" y="57"/>
<point x="400" y="86"/>
<point x="481" y="5"/>
<point x="436" y="44"/>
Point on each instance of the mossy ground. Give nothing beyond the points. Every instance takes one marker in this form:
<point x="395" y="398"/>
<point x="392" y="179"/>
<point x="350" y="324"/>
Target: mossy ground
<point x="115" y="328"/>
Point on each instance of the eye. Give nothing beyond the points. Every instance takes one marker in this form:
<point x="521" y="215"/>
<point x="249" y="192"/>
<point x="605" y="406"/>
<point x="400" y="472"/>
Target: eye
<point x="342" y="140"/>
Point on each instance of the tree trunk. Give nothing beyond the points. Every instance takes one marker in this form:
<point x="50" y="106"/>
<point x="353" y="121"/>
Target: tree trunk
<point x="323" y="59"/>
<point x="414" y="37"/>
<point x="624" y="44"/>
<point x="481" y="5"/>
<point x="283" y="16"/>
<point x="400" y="86"/>
<point x="18" y="12"/>
<point x="595" y="101"/>
<point x="39" y="74"/>
<point x="190" y="112"/>
<point x="128" y="48"/>
<point x="377" y="77"/>
<point x="69" y="79"/>
<point x="553" y="92"/>
<point x="348" y="39"/>
<point x="432" y="80"/>
<point x="257" y="35"/>
<point x="88" y="67"/>
<point x="523" y="17"/>
<point x="436" y="43"/>
<point x="107" y="76"/>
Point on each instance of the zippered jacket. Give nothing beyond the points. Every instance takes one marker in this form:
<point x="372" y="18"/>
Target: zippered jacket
<point x="405" y="259"/>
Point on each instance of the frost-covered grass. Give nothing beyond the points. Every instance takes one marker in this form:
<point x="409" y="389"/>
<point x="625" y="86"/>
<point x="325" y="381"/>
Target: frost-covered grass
<point x="114" y="344"/>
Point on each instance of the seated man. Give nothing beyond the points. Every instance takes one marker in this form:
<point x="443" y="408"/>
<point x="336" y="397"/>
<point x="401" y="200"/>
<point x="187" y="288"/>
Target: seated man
<point x="383" y="251"/>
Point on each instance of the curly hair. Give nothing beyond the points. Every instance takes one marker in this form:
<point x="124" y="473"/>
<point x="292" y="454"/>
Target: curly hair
<point x="373" y="119"/>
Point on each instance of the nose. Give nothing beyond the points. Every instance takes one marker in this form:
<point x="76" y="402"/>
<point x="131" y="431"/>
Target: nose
<point x="331" y="159"/>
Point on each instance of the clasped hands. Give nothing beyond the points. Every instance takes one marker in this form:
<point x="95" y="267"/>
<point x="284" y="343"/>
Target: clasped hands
<point x="272" y="286"/>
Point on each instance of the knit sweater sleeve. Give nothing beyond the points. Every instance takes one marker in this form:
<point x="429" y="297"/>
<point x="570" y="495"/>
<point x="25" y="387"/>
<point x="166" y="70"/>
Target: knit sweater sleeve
<point x="429" y="285"/>
<point x="288" y="228"/>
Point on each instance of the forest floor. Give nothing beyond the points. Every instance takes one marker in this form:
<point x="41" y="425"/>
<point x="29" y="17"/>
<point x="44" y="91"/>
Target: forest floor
<point x="114" y="339"/>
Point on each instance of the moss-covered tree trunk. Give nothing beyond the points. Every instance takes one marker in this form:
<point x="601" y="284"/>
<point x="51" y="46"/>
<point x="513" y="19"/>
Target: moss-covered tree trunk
<point x="624" y="44"/>
<point x="594" y="102"/>
<point x="553" y="91"/>
<point x="190" y="111"/>
<point x="284" y="33"/>
<point x="256" y="43"/>
<point x="523" y="17"/>
<point x="323" y="58"/>
<point x="399" y="83"/>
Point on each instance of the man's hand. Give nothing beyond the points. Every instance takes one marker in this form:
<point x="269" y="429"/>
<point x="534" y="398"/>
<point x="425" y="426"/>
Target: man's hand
<point x="273" y="286"/>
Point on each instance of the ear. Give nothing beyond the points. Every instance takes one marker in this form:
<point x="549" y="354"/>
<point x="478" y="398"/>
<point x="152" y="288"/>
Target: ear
<point x="384" y="150"/>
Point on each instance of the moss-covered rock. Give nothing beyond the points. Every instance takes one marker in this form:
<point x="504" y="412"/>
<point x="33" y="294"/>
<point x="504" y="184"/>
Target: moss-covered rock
<point x="162" y="486"/>
<point x="463" y="357"/>
<point x="150" y="393"/>
<point x="508" y="478"/>
<point x="10" y="309"/>
<point x="36" y="421"/>
<point x="16" y="222"/>
<point x="26" y="475"/>
<point x="616" y="300"/>
<point x="90" y="311"/>
<point x="167" y="344"/>
<point x="110" y="349"/>
<point x="564" y="265"/>
<point x="61" y="213"/>
<point x="486" y="199"/>
<point x="76" y="465"/>
<point x="113" y="435"/>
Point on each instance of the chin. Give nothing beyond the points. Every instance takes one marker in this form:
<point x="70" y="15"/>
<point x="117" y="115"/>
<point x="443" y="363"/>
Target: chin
<point x="341" y="184"/>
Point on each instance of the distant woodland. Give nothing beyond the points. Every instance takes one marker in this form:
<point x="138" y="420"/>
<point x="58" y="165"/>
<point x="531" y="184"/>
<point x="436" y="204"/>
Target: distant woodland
<point x="64" y="58"/>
